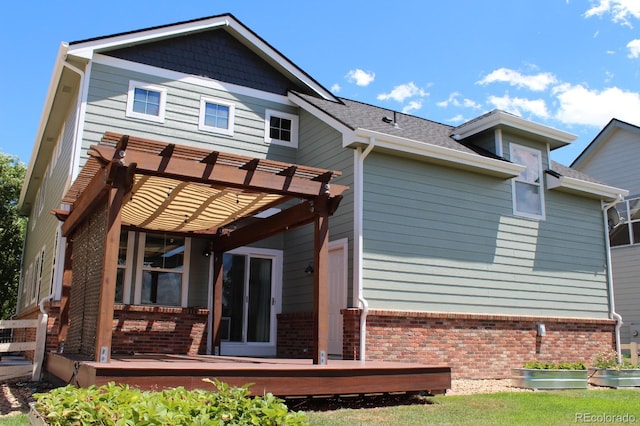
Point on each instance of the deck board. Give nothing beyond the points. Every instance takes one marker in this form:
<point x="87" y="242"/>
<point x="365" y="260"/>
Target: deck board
<point x="281" y="377"/>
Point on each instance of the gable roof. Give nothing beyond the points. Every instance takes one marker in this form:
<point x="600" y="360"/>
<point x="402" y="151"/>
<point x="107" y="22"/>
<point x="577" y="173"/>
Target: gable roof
<point x="228" y="22"/>
<point x="602" y="137"/>
<point x="72" y="56"/>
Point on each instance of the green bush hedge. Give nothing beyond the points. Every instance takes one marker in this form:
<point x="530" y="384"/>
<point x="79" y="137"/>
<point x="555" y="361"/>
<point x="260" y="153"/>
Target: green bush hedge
<point x="121" y="405"/>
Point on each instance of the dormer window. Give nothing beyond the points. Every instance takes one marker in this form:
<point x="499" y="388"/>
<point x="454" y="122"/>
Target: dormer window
<point x="281" y="128"/>
<point x="528" y="193"/>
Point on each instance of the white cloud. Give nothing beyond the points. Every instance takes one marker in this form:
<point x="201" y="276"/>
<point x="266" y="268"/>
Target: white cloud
<point x="336" y="88"/>
<point x="454" y="100"/>
<point x="456" y="119"/>
<point x="537" y="82"/>
<point x="621" y="11"/>
<point x="360" y="77"/>
<point x="634" y="48"/>
<point x="412" y="106"/>
<point x="580" y="105"/>
<point x="402" y="92"/>
<point x="520" y="106"/>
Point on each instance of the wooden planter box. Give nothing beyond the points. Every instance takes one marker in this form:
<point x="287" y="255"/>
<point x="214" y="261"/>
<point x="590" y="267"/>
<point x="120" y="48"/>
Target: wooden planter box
<point x="548" y="379"/>
<point x="614" y="378"/>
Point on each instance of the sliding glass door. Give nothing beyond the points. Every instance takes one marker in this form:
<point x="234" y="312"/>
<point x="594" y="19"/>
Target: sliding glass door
<point x="251" y="287"/>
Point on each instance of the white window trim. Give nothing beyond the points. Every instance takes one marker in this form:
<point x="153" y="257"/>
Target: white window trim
<point x="137" y="298"/>
<point x="294" y="128"/>
<point x="516" y="212"/>
<point x="128" y="268"/>
<point x="261" y="348"/>
<point x="201" y="119"/>
<point x="130" y="97"/>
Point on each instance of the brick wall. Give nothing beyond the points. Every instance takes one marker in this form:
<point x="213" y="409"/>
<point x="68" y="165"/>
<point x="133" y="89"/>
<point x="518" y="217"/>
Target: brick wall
<point x="159" y="329"/>
<point x="295" y="335"/>
<point x="476" y="346"/>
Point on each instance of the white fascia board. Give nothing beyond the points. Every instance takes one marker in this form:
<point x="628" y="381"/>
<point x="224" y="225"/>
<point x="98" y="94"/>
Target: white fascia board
<point x="190" y="79"/>
<point x="452" y="157"/>
<point x="88" y="49"/>
<point x="46" y="111"/>
<point x="347" y="132"/>
<point x="501" y="118"/>
<point x="591" y="189"/>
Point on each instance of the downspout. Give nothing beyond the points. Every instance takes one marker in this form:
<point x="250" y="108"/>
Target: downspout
<point x="612" y="307"/>
<point x="359" y="158"/>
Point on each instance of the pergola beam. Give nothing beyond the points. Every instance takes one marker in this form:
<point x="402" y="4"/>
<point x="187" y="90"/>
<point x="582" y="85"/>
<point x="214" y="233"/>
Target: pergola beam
<point x="246" y="178"/>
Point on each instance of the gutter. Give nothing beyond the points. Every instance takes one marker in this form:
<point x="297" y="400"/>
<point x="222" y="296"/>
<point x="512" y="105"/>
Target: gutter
<point x="612" y="307"/>
<point x="358" y="164"/>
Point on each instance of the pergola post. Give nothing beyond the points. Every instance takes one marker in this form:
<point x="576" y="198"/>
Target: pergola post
<point x="104" y="327"/>
<point x="217" y="302"/>
<point x="67" y="276"/>
<point x="321" y="283"/>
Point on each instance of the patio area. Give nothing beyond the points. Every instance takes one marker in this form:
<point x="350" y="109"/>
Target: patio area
<point x="282" y="377"/>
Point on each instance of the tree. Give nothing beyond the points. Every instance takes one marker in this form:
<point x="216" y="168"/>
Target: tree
<point x="12" y="227"/>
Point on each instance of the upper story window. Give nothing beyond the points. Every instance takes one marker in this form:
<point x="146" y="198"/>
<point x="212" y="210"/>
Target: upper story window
<point x="162" y="275"/>
<point x="627" y="231"/>
<point x="216" y="116"/>
<point x="281" y="128"/>
<point x="528" y="193"/>
<point x="146" y="101"/>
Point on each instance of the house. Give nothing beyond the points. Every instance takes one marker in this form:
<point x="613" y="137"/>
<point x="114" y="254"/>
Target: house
<point x="612" y="157"/>
<point x="464" y="245"/>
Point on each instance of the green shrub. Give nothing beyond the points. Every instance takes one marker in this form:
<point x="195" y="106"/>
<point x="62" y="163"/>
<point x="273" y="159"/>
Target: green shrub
<point x="113" y="404"/>
<point x="539" y="365"/>
<point x="609" y="359"/>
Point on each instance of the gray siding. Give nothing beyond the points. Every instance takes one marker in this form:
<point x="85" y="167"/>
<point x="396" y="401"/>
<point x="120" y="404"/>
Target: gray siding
<point x="320" y="146"/>
<point x="626" y="279"/>
<point x="616" y="161"/>
<point x="106" y="111"/>
<point x="437" y="239"/>
<point x="42" y="225"/>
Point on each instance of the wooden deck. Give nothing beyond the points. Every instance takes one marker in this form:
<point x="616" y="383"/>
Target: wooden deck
<point x="281" y="377"/>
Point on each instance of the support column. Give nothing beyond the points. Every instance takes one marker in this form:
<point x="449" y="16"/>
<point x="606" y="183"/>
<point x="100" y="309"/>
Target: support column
<point x="67" y="277"/>
<point x="104" y="328"/>
<point x="217" y="302"/>
<point x="321" y="284"/>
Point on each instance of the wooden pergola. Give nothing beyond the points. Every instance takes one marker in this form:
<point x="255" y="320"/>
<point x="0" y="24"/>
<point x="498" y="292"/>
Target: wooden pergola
<point x="155" y="186"/>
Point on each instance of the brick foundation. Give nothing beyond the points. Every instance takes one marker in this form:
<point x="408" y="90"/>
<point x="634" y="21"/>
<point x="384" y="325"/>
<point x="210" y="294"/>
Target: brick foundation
<point x="148" y="329"/>
<point x="476" y="346"/>
<point x="295" y="335"/>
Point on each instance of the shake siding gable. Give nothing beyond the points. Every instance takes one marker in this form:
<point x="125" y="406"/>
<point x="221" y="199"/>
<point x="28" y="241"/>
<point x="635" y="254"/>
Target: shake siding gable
<point x="444" y="240"/>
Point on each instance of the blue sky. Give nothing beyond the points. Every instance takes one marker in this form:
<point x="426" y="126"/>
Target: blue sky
<point x="569" y="64"/>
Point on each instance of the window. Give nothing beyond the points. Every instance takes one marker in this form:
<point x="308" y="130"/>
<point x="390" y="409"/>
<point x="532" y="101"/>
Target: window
<point x="627" y="230"/>
<point x="123" y="274"/>
<point x="528" y="200"/>
<point x="146" y="101"/>
<point x="216" y="116"/>
<point x="281" y="128"/>
<point x="163" y="272"/>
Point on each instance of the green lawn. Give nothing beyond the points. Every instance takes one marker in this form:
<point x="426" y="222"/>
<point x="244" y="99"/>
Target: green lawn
<point x="608" y="406"/>
<point x="512" y="408"/>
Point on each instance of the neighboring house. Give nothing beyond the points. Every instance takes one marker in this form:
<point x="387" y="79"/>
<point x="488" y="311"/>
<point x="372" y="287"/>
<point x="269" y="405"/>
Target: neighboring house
<point x="613" y="157"/>
<point x="461" y="245"/>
